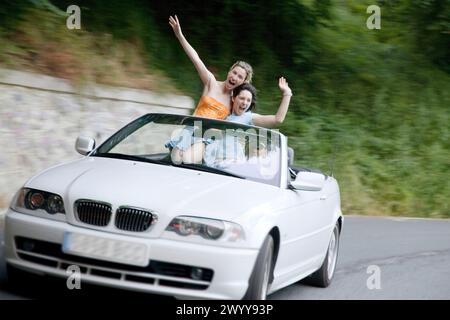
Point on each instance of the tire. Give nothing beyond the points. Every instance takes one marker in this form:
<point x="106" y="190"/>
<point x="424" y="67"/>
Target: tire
<point x="323" y="277"/>
<point x="260" y="279"/>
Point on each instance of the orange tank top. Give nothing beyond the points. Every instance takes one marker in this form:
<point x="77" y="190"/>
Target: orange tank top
<point x="211" y="108"/>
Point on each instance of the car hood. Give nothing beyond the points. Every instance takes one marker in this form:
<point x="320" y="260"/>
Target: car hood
<point x="169" y="191"/>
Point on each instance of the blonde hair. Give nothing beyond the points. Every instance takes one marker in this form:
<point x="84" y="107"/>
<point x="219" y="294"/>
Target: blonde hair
<point x="247" y="67"/>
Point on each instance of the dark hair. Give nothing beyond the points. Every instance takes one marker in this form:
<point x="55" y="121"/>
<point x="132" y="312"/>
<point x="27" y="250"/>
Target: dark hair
<point x="251" y="89"/>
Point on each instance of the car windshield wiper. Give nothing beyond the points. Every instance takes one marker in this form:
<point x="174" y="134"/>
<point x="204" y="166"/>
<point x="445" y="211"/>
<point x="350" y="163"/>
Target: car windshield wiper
<point x="130" y="157"/>
<point x="207" y="169"/>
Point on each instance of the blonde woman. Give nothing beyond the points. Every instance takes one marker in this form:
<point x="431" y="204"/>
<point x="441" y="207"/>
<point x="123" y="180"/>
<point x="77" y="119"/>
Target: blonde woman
<point x="215" y="102"/>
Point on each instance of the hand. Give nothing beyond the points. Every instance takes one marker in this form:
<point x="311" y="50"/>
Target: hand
<point x="175" y="24"/>
<point x="284" y="87"/>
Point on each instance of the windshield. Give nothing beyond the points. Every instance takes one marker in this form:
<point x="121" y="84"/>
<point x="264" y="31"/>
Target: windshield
<point x="221" y="147"/>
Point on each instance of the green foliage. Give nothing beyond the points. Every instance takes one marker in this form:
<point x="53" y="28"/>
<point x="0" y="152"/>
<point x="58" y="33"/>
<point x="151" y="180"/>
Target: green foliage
<point x="370" y="105"/>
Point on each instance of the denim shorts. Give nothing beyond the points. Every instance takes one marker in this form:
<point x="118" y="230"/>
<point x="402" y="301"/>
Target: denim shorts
<point x="185" y="140"/>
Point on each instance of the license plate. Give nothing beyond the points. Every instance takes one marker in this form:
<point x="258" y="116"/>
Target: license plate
<point x="106" y="249"/>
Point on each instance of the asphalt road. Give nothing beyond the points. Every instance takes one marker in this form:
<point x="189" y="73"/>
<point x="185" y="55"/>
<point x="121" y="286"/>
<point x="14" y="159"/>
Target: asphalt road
<point x="379" y="258"/>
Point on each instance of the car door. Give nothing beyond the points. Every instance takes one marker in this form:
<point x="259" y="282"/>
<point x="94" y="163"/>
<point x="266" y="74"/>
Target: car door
<point x="304" y="232"/>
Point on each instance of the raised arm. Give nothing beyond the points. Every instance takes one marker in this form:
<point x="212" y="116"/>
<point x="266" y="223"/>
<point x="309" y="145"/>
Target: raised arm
<point x="273" y="120"/>
<point x="205" y="75"/>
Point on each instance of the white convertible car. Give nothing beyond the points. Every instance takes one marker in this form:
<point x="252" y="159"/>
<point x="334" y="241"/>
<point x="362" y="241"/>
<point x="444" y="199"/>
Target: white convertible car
<point x="239" y="224"/>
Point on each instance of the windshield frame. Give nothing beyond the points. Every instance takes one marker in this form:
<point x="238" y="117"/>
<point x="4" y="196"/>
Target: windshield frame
<point x="166" y="118"/>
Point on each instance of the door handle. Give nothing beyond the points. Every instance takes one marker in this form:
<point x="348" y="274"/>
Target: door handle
<point x="323" y="197"/>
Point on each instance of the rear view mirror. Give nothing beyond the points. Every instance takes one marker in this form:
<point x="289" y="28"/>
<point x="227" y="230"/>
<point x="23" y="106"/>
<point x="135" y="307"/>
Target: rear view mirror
<point x="309" y="181"/>
<point x="84" y="145"/>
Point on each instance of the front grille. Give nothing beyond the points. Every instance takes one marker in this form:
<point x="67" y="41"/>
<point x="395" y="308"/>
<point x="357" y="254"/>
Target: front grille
<point x="92" y="212"/>
<point x="132" y="219"/>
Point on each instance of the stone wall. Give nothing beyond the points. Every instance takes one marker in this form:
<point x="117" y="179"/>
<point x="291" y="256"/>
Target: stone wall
<point x="41" y="117"/>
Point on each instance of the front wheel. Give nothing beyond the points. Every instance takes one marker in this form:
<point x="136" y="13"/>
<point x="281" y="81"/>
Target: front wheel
<point x="323" y="277"/>
<point x="260" y="278"/>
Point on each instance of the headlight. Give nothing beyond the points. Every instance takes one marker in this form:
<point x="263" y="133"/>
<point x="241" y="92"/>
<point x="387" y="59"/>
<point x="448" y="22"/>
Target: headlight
<point x="32" y="199"/>
<point x="206" y="228"/>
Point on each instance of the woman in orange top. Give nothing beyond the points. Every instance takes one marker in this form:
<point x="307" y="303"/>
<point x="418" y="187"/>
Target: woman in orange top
<point x="215" y="102"/>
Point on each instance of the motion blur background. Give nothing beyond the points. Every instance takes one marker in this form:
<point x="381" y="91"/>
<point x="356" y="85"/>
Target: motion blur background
<point x="372" y="104"/>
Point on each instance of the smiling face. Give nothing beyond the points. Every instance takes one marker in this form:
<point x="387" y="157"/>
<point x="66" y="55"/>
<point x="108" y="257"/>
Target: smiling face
<point x="235" y="77"/>
<point x="242" y="102"/>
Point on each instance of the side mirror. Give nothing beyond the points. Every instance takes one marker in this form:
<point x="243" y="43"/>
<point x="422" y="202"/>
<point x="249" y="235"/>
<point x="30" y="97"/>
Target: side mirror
<point x="309" y="181"/>
<point x="84" y="145"/>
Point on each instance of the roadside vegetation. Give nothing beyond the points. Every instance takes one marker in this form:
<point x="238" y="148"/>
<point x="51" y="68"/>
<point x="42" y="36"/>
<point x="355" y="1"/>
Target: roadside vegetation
<point x="372" y="106"/>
